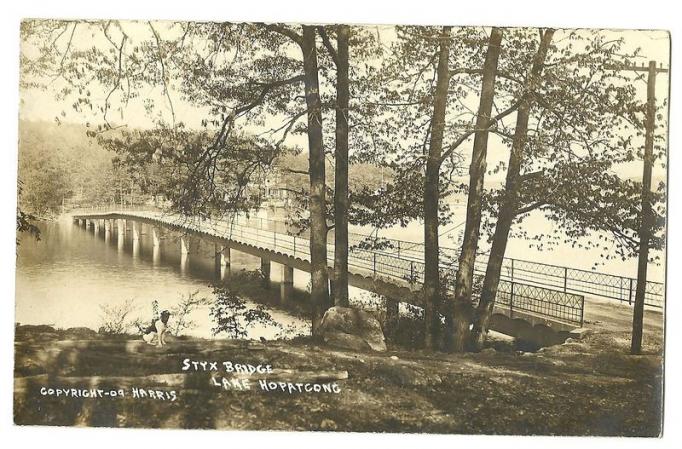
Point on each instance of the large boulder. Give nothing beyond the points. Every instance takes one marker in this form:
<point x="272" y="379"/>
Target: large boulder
<point x="352" y="329"/>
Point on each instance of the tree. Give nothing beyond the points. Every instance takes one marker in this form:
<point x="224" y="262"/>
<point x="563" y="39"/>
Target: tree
<point x="461" y="309"/>
<point x="341" y="201"/>
<point x="241" y="70"/>
<point x="578" y="129"/>
<point x="319" y="292"/>
<point x="25" y="221"/>
<point x="405" y="108"/>
<point x="508" y="208"/>
<point x="431" y="289"/>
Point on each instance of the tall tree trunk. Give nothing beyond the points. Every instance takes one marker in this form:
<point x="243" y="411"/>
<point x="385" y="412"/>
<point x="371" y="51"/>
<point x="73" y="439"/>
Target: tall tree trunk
<point x="341" y="170"/>
<point x="319" y="293"/>
<point x="509" y="205"/>
<point x="432" y="289"/>
<point x="462" y="309"/>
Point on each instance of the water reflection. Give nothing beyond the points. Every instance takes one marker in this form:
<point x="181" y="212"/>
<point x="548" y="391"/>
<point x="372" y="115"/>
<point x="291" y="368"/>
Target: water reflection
<point x="64" y="278"/>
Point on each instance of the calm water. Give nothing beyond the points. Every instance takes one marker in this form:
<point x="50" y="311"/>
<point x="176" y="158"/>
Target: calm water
<point x="65" y="278"/>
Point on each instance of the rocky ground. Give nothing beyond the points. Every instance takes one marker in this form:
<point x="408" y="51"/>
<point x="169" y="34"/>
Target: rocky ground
<point x="588" y="387"/>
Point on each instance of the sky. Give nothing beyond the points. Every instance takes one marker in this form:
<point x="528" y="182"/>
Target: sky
<point x="37" y="105"/>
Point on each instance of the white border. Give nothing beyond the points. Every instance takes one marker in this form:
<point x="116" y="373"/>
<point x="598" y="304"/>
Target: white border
<point x="651" y="14"/>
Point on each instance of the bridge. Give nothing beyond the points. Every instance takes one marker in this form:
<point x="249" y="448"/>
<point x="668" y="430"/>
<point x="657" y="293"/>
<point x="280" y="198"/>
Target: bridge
<point x="533" y="303"/>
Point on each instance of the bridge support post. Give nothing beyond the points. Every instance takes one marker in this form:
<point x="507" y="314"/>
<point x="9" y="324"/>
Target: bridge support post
<point x="265" y="271"/>
<point x="121" y="233"/>
<point x="156" y="237"/>
<point x="156" y="255"/>
<point x="107" y="230"/>
<point x="136" y="231"/>
<point x="392" y="316"/>
<point x="184" y="245"/>
<point x="222" y="260"/>
<point x="95" y="226"/>
<point x="136" y="248"/>
<point x="286" y="287"/>
<point x="332" y="287"/>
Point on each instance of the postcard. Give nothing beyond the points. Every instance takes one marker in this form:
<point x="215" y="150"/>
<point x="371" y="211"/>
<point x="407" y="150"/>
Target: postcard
<point x="341" y="227"/>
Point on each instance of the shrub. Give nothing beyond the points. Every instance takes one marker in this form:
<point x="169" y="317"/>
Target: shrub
<point x="234" y="316"/>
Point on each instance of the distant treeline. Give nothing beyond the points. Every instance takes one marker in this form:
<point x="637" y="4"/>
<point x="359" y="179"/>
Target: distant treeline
<point x="60" y="163"/>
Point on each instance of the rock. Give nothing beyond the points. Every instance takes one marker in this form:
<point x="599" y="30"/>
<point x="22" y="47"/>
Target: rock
<point x="33" y="330"/>
<point x="328" y="424"/>
<point x="580" y="333"/>
<point x="76" y="333"/>
<point x="345" y="341"/>
<point x="394" y="357"/>
<point x="30" y="332"/>
<point x="352" y="328"/>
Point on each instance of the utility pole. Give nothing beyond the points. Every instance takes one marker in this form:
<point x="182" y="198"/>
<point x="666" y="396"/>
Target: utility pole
<point x="646" y="222"/>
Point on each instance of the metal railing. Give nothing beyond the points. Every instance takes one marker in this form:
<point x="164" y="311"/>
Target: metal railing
<point x="566" y="279"/>
<point x="593" y="283"/>
<point x="541" y="301"/>
<point x="566" y="307"/>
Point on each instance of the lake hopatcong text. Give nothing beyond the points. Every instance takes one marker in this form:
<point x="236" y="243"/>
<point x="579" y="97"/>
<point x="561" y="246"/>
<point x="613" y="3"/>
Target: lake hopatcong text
<point x="230" y="375"/>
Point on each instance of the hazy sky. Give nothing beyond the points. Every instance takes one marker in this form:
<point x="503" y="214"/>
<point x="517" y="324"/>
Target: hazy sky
<point x="41" y="105"/>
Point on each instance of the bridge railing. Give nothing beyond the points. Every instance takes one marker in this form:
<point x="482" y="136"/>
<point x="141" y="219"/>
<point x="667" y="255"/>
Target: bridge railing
<point x="566" y="279"/>
<point x="551" y="304"/>
<point x="563" y="278"/>
<point x="556" y="277"/>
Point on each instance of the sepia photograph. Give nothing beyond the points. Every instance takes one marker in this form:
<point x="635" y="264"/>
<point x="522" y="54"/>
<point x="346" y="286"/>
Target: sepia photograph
<point x="341" y="227"/>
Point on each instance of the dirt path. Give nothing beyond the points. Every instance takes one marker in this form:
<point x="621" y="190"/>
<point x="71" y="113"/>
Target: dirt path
<point x="614" y="317"/>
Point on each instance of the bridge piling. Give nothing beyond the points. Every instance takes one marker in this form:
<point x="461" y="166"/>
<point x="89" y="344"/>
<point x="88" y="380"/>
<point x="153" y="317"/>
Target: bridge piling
<point x="184" y="263"/>
<point x="286" y="286"/>
<point x="136" y="231"/>
<point x="156" y="255"/>
<point x="156" y="237"/>
<point x="136" y="248"/>
<point x="332" y="290"/>
<point x="218" y="263"/>
<point x="120" y="234"/>
<point x="184" y="245"/>
<point x="265" y="270"/>
<point x="107" y="230"/>
<point x="392" y="316"/>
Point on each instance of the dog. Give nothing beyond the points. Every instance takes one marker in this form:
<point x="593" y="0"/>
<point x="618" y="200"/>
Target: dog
<point x="157" y="330"/>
